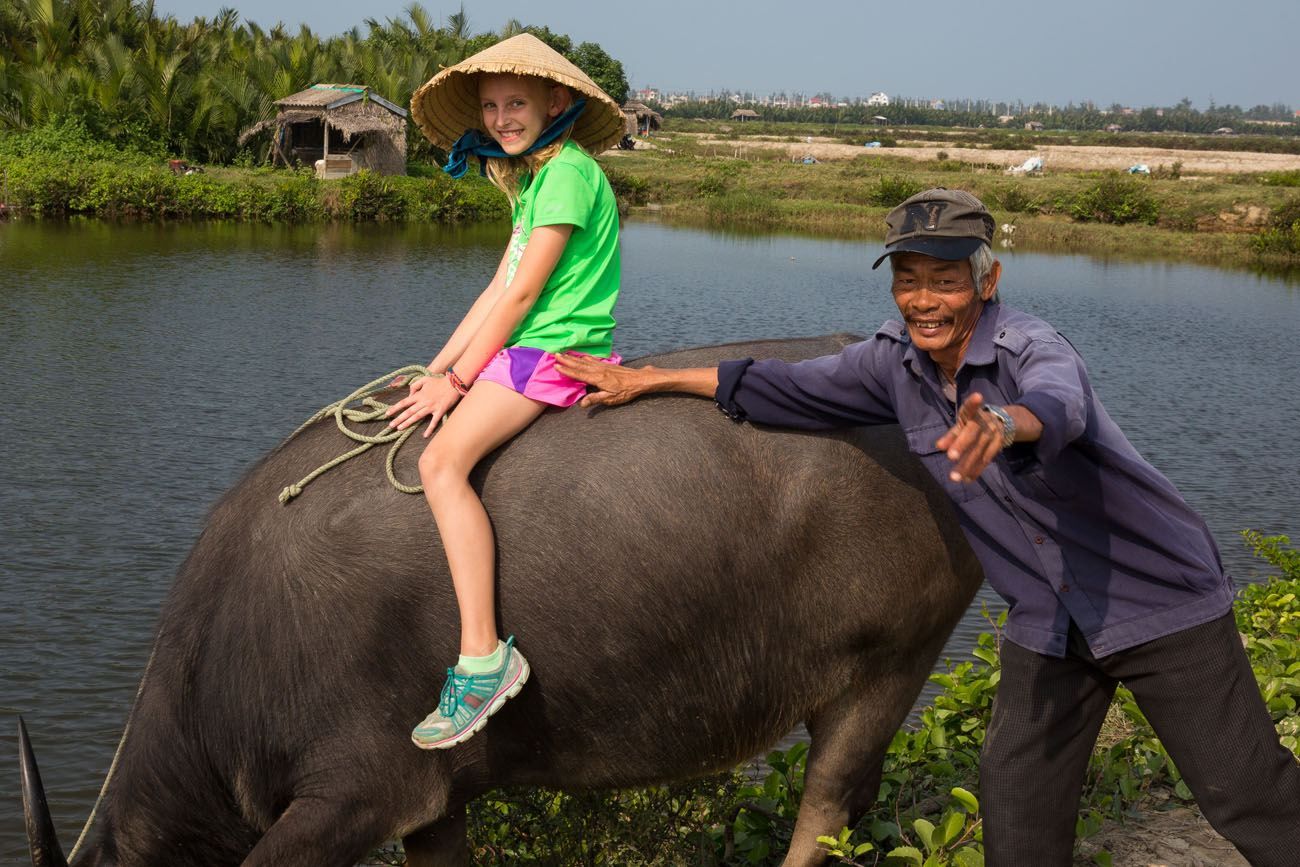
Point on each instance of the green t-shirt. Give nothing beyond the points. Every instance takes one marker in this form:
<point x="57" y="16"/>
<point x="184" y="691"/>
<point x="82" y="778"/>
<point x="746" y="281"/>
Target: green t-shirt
<point x="574" y="310"/>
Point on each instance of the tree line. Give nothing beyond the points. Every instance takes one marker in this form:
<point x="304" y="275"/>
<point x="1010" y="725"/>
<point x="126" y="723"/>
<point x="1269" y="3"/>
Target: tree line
<point x="153" y="83"/>
<point x="1181" y="118"/>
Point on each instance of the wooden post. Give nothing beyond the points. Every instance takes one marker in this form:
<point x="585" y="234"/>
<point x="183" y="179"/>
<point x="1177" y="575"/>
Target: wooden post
<point x="326" y="122"/>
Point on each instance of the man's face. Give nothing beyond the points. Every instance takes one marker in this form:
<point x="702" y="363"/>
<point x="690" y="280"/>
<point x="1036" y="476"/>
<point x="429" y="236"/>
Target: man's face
<point x="939" y="304"/>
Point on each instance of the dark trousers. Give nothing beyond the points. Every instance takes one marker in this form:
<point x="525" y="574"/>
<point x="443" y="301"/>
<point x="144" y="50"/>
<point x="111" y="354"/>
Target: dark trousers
<point x="1196" y="689"/>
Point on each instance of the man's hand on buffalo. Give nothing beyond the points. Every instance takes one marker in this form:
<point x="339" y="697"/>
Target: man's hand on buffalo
<point x="616" y="384"/>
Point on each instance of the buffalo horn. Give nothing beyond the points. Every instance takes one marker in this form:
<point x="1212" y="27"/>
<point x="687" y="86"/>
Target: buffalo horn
<point x="44" y="845"/>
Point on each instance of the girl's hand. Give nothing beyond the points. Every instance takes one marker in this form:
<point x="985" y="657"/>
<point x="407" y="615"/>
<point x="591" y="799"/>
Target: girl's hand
<point x="429" y="395"/>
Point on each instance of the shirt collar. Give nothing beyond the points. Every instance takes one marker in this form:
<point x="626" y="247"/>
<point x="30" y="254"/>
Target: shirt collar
<point x="980" y="349"/>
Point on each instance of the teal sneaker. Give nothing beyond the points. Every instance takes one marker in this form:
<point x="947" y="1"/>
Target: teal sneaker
<point x="469" y="699"/>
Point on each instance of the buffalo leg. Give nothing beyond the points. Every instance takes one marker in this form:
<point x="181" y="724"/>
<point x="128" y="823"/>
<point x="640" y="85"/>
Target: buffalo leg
<point x="318" y="833"/>
<point x="441" y="844"/>
<point x="849" y="739"/>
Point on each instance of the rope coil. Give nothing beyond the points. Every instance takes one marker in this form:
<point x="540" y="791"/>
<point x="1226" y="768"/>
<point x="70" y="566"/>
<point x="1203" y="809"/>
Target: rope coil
<point x="374" y="411"/>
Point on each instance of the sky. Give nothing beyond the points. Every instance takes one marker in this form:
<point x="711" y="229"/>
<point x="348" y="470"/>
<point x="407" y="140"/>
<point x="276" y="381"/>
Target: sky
<point x="1132" y="52"/>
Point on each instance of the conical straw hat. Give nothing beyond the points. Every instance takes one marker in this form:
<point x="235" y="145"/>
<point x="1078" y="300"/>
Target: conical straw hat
<point x="447" y="104"/>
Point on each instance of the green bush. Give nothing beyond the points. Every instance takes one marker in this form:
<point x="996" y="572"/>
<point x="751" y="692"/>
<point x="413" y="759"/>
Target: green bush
<point x="366" y="197"/>
<point x="1268" y="614"/>
<point x="1282" y="236"/>
<point x="628" y="188"/>
<point x="1116" y="199"/>
<point x="894" y="190"/>
<point x="1171" y="172"/>
<point x="1280" y="179"/>
<point x="140" y="188"/>
<point x="1014" y="198"/>
<point x="634" y="827"/>
<point x="68" y="140"/>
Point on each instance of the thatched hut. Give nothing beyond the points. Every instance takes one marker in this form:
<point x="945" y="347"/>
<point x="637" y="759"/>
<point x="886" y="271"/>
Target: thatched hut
<point x="340" y="128"/>
<point x="744" y="114"/>
<point x="641" y="119"/>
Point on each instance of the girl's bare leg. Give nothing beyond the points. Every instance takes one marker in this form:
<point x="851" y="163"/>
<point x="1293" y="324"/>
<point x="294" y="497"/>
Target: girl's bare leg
<point x="485" y="418"/>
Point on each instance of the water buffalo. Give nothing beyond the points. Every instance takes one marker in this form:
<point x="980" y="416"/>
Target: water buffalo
<point x="687" y="590"/>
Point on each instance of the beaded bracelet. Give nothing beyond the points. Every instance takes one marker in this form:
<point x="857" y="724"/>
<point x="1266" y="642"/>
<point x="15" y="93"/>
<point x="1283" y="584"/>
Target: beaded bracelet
<point x="457" y="383"/>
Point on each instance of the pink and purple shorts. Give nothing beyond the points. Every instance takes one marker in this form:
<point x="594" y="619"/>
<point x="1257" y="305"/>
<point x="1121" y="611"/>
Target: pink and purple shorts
<point x="532" y="373"/>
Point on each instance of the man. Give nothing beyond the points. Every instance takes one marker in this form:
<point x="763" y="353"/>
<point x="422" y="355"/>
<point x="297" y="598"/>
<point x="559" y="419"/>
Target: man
<point x="1109" y="575"/>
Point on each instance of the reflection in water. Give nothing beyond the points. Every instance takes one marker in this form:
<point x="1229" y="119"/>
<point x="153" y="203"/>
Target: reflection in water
<point x="147" y="366"/>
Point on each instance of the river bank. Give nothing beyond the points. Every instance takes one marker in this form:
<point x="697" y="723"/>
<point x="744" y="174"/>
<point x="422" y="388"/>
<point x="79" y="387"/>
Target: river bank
<point x="1215" y="206"/>
<point x="1237" y="209"/>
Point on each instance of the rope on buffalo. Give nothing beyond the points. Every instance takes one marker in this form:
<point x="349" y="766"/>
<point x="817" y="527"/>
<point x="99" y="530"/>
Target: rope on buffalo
<point x="117" y="754"/>
<point x="374" y="411"/>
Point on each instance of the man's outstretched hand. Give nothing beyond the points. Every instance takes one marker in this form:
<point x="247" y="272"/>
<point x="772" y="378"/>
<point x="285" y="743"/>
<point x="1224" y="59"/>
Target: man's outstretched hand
<point x="973" y="442"/>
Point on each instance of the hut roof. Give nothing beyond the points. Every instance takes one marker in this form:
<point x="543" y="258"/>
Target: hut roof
<point x="327" y="97"/>
<point x="744" y="112"/>
<point x="638" y="113"/>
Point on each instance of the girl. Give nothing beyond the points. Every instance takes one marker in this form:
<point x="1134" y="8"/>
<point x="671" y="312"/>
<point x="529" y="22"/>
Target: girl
<point x="553" y="291"/>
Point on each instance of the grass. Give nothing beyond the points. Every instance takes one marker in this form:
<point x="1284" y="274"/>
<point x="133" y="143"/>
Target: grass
<point x="1210" y="219"/>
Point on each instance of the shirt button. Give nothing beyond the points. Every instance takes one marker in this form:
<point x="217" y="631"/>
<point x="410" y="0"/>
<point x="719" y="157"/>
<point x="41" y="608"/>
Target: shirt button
<point x="1003" y="334"/>
<point x="1038" y="540"/>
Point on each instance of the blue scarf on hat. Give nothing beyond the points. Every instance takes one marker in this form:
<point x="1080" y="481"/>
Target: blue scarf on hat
<point x="477" y="143"/>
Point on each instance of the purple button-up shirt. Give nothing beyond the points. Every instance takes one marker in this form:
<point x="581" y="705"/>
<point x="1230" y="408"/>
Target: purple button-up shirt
<point x="1073" y="527"/>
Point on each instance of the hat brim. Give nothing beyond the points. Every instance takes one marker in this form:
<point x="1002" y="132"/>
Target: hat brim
<point x="445" y="106"/>
<point x="949" y="249"/>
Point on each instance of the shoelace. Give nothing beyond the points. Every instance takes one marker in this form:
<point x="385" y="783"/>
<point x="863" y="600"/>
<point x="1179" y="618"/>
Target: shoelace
<point x="452" y="690"/>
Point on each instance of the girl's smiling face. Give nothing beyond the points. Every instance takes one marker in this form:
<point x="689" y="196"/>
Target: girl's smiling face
<point x="517" y="109"/>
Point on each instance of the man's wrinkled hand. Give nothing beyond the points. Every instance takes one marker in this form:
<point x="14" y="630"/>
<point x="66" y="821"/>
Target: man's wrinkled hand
<point x="973" y="442"/>
<point x="614" y="383"/>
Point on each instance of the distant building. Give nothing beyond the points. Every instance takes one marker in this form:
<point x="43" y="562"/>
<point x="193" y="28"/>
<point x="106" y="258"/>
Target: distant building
<point x="878" y="98"/>
<point x="1113" y="127"/>
<point x="339" y="128"/>
<point x="1034" y="125"/>
<point x="640" y="119"/>
<point x="1006" y="118"/>
<point x="938" y="105"/>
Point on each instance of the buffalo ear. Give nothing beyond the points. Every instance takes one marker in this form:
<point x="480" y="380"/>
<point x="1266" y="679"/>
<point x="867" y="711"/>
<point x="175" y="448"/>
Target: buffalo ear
<point x="41" y="839"/>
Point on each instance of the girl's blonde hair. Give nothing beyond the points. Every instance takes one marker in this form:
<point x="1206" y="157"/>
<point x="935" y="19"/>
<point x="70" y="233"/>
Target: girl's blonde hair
<point x="505" y="173"/>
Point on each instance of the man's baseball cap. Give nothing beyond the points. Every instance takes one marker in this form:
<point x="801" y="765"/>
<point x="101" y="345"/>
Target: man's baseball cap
<point x="945" y="224"/>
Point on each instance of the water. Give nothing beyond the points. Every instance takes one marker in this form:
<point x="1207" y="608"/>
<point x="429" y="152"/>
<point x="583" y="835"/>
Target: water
<point x="146" y="367"/>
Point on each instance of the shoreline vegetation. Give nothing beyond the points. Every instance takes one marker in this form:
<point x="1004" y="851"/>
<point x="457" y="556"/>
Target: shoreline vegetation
<point x="777" y="178"/>
<point x="1241" y="209"/>
<point x="928" y="812"/>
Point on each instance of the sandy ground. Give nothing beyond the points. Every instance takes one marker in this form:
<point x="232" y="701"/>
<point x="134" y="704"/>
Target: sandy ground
<point x="1177" y="838"/>
<point x="1071" y="157"/>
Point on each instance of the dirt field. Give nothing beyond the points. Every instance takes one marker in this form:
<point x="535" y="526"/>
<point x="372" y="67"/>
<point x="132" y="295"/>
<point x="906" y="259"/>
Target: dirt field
<point x="1067" y="157"/>
<point x="1177" y="838"/>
